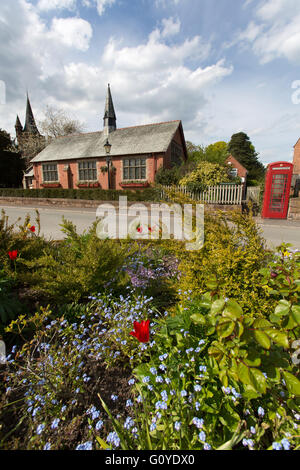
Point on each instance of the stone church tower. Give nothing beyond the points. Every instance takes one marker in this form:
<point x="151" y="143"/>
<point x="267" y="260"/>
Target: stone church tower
<point x="30" y="141"/>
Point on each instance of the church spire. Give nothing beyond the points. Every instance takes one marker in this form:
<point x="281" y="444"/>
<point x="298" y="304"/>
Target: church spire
<point x="109" y="114"/>
<point x="30" y="125"/>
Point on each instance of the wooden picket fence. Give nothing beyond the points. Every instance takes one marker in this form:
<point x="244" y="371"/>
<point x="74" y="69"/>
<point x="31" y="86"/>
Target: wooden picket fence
<point x="221" y="194"/>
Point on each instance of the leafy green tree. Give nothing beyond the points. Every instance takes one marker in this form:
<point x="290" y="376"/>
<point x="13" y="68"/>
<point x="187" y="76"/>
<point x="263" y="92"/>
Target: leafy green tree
<point x="214" y="153"/>
<point x="217" y="152"/>
<point x="11" y="163"/>
<point x="241" y="148"/>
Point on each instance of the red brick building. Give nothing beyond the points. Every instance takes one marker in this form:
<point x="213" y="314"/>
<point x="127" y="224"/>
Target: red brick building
<point x="135" y="155"/>
<point x="296" y="159"/>
<point x="237" y="168"/>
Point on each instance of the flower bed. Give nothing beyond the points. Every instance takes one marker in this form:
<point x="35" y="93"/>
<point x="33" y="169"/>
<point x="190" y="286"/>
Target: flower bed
<point x="134" y="184"/>
<point x="117" y="369"/>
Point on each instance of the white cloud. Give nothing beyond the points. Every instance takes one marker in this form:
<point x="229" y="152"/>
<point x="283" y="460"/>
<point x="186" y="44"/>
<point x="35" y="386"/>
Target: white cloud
<point x="101" y="5"/>
<point x="152" y="81"/>
<point x="72" y="32"/>
<point x="47" y="5"/>
<point x="275" y="33"/>
<point x="171" y="27"/>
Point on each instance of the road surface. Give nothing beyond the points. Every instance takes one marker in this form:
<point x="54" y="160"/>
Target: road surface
<point x="274" y="231"/>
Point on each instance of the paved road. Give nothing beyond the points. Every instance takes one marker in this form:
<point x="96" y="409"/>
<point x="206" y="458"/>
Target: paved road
<point x="274" y="231"/>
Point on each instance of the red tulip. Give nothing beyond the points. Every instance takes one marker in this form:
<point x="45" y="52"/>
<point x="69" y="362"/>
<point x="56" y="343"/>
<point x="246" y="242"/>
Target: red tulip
<point x="32" y="228"/>
<point x="139" y="229"/>
<point x="13" y="254"/>
<point x="141" y="331"/>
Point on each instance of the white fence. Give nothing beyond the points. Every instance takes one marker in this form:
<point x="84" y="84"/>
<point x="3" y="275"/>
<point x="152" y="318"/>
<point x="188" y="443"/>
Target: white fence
<point x="221" y="194"/>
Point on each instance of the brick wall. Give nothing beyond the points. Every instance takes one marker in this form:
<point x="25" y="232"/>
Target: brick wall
<point x="242" y="172"/>
<point x="296" y="160"/>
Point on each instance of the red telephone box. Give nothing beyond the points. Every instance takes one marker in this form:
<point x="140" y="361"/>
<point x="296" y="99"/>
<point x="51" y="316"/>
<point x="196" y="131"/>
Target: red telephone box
<point x="277" y="190"/>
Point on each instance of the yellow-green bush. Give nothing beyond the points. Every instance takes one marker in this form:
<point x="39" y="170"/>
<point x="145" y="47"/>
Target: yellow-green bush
<point x="229" y="262"/>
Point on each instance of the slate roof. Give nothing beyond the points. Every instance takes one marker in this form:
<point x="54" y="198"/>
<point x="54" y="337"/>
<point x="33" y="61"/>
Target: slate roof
<point x="150" y="138"/>
<point x="30" y="125"/>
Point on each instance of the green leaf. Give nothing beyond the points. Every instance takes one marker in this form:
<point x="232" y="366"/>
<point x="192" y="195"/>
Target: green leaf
<point x="296" y="313"/>
<point x="282" y="308"/>
<point x="102" y="443"/>
<point x="243" y="373"/>
<point x="262" y="339"/>
<point x="225" y="328"/>
<point x="292" y="383"/>
<point x="258" y="379"/>
<point x="217" y="306"/>
<point x="233" y="310"/>
<point x="198" y="319"/>
<point x="278" y="337"/>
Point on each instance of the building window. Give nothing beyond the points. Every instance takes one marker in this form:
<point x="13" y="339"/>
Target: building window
<point x="233" y="172"/>
<point x="134" y="169"/>
<point x="87" y="171"/>
<point x="50" y="173"/>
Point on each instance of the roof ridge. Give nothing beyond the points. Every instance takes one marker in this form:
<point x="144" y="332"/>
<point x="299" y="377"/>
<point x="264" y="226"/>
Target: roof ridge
<point x="118" y="129"/>
<point x="150" y="124"/>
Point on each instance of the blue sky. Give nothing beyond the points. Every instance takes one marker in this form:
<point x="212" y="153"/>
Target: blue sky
<point x="221" y="66"/>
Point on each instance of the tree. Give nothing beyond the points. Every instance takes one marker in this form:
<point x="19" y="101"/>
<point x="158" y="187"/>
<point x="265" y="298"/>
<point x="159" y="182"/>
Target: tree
<point x="241" y="148"/>
<point x="57" y="123"/>
<point x="11" y="163"/>
<point x="214" y="153"/>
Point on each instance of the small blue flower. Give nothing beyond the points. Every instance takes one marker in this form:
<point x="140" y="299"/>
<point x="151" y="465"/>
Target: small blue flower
<point x="177" y="425"/>
<point x="183" y="393"/>
<point x="99" y="425"/>
<point x="55" y="423"/>
<point x="286" y="444"/>
<point x="129" y="403"/>
<point x="261" y="412"/>
<point x="85" y="446"/>
<point x="202" y="436"/>
<point x="40" y="429"/>
<point x="114" y="397"/>
<point x="47" y="446"/>
<point x="277" y="446"/>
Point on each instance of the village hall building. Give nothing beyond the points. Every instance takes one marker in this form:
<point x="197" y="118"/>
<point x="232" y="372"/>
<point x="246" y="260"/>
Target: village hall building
<point x="112" y="158"/>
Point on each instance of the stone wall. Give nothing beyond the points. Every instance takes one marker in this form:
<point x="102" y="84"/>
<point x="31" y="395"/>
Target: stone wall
<point x="294" y="208"/>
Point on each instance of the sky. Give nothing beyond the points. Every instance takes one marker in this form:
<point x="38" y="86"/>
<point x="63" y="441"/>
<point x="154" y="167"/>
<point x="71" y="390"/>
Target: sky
<point x="220" y="66"/>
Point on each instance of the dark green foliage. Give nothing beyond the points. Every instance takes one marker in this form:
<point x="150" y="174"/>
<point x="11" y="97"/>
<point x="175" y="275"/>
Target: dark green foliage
<point x="147" y="194"/>
<point x="167" y="177"/>
<point x="11" y="163"/>
<point x="10" y="306"/>
<point x="241" y="148"/>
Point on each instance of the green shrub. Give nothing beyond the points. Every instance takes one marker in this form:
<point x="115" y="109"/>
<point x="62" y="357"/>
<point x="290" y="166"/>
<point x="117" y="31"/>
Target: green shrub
<point x="146" y="194"/>
<point x="76" y="267"/>
<point x="206" y="174"/>
<point x="229" y="262"/>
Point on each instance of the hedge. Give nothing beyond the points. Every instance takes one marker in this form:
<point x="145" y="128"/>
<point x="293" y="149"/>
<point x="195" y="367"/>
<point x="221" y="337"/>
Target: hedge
<point x="147" y="194"/>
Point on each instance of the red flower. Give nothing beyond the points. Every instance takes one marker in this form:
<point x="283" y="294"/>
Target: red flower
<point x="139" y="229"/>
<point x="32" y="228"/>
<point x="13" y="254"/>
<point x="141" y="331"/>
